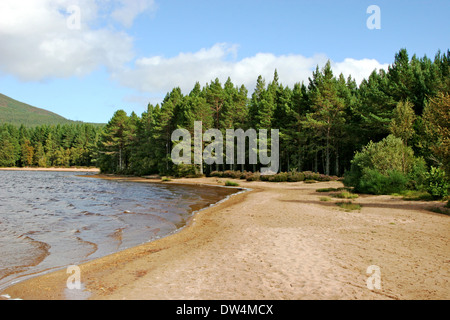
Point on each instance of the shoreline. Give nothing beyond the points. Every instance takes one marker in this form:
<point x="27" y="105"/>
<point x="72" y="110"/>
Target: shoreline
<point x="94" y="170"/>
<point x="276" y="242"/>
<point x="63" y="293"/>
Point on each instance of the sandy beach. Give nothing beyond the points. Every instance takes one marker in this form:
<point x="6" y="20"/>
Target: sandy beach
<point x="277" y="241"/>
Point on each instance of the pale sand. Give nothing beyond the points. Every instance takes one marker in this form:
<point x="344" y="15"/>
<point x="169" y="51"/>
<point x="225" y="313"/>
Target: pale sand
<point x="278" y="241"/>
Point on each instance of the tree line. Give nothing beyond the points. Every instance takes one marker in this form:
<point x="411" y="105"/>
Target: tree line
<point x="322" y="123"/>
<point x="49" y="145"/>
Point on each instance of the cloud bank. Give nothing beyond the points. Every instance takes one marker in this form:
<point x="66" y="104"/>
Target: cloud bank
<point x="37" y="44"/>
<point x="161" y="74"/>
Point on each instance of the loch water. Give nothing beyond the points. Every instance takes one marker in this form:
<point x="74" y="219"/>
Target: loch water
<point x="49" y="220"/>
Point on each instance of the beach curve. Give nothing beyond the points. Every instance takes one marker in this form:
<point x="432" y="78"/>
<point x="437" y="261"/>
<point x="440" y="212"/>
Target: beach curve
<point x="277" y="241"/>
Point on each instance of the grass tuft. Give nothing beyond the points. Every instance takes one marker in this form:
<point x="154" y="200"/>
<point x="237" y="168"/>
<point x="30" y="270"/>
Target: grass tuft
<point x="346" y="195"/>
<point x="349" y="206"/>
<point x="331" y="189"/>
<point x="229" y="183"/>
<point x="414" y="195"/>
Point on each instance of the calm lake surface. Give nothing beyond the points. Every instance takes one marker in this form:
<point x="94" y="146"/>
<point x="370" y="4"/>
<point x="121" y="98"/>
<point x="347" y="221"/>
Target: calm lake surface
<point x="50" y="220"/>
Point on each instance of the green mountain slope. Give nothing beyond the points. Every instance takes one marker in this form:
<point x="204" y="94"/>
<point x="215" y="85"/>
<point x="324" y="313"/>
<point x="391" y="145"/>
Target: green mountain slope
<point x="18" y="113"/>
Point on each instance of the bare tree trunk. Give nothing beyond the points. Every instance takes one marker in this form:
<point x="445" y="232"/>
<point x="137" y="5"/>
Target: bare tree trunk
<point x="327" y="155"/>
<point x="120" y="158"/>
<point x="337" y="162"/>
<point x="315" y="163"/>
<point x="288" y="164"/>
<point x="300" y="161"/>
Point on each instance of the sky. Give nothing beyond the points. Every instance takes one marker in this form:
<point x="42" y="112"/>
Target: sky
<point x="85" y="59"/>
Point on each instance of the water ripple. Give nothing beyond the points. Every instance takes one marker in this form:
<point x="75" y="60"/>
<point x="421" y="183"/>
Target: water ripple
<point x="54" y="219"/>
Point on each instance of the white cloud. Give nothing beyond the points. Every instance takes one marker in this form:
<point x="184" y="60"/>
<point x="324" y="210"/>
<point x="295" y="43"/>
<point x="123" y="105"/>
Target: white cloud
<point x="37" y="43"/>
<point x="161" y="74"/>
<point x="358" y="69"/>
<point x="129" y="10"/>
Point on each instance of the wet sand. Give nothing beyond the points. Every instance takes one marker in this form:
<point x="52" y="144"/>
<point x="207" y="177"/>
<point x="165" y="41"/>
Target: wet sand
<point x="278" y="241"/>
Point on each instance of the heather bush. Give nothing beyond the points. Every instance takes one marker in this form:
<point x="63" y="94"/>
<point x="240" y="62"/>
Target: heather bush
<point x="280" y="177"/>
<point x="295" y="177"/>
<point x="253" y="176"/>
<point x="292" y="176"/>
<point x="217" y="174"/>
<point x="231" y="174"/>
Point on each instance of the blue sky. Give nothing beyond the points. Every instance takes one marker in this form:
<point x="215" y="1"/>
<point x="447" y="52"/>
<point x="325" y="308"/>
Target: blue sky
<point x="128" y="53"/>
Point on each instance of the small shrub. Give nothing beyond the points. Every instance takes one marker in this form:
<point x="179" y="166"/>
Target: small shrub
<point x="414" y="195"/>
<point x="196" y="175"/>
<point x="327" y="189"/>
<point x="243" y="175"/>
<point x="310" y="181"/>
<point x="347" y="195"/>
<point x="384" y="167"/>
<point x="309" y="175"/>
<point x="292" y="176"/>
<point x="349" y="206"/>
<point x="184" y="170"/>
<point x="295" y="176"/>
<point x="248" y="175"/>
<point x="417" y="174"/>
<point x="164" y="179"/>
<point x="373" y="182"/>
<point x="280" y="177"/>
<point x="254" y="176"/>
<point x="231" y="184"/>
<point x="217" y="174"/>
<point x="436" y="183"/>
<point x="323" y="177"/>
<point x="231" y="174"/>
<point x="325" y="199"/>
<point x="227" y="174"/>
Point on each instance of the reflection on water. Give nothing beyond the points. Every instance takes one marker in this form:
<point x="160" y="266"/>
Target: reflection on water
<point x="54" y="219"/>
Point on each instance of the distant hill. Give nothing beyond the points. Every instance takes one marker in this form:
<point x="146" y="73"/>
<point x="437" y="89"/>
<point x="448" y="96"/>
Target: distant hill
<point x="18" y="113"/>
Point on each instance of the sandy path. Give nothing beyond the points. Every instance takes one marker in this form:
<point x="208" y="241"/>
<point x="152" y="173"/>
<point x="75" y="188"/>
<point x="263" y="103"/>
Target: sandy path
<point x="278" y="242"/>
